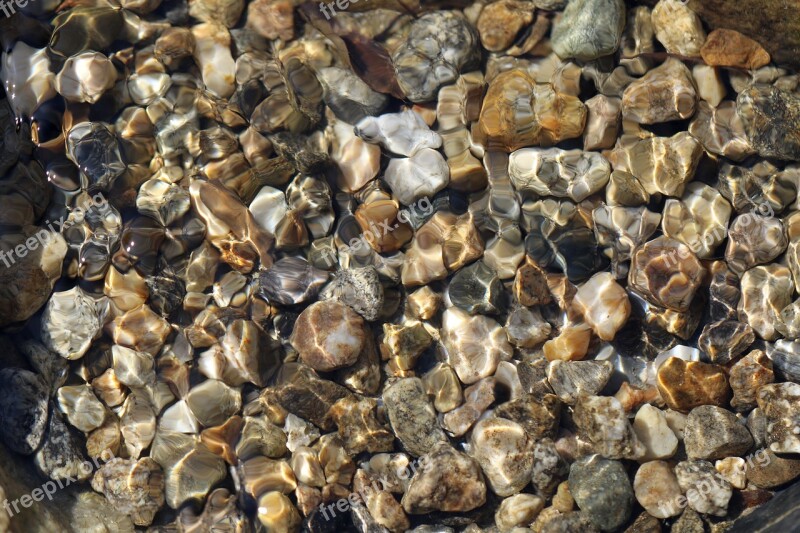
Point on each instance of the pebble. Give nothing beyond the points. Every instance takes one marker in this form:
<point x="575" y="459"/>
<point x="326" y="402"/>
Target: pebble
<point x="685" y="385"/>
<point x="678" y="28"/>
<point x="272" y="19"/>
<point x="358" y="288"/>
<point x="768" y="471"/>
<point x="517" y="112"/>
<point x="770" y="117"/>
<point x="779" y="402"/>
<point x="475" y="344"/>
<point x="602" y="122"/>
<point x="602" y="491"/>
<point x="766" y="291"/>
<point x="589" y="29"/>
<point x="477" y="398"/>
<point x="653" y="431"/>
<point x="715" y="433"/>
<point x="724" y="341"/>
<point x="604" y="305"/>
<point x="505" y="453"/>
<point x="61" y="454"/>
<point x="571" y="379"/>
<point x="518" y="510"/>
<point x="23" y="409"/>
<point x="663" y="94"/>
<point x="329" y="335"/>
<point x="573" y="174"/>
<point x="412" y="416"/>
<point x="135" y="488"/>
<point x="747" y="376"/>
<point x="526" y="327"/>
<point x="602" y="421"/>
<point x="729" y="48"/>
<point x="549" y="468"/>
<point x="706" y="490"/>
<point x="446" y="480"/>
<point x="699" y="219"/>
<point x="477" y="290"/>
<point x="656" y="488"/>
<point x="732" y="469"/>
<point x="539" y="416"/>
<point x="753" y="240"/>
<point x="70" y="321"/>
<point x="499" y="23"/>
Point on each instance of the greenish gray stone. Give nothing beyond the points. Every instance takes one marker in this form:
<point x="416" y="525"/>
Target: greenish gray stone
<point x="589" y="29"/>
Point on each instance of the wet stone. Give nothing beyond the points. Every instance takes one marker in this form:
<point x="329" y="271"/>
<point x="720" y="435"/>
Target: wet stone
<point x="475" y="344"/>
<point x="329" y="335"/>
<point x="602" y="422"/>
<point x="653" y="431"/>
<point x="665" y="93"/>
<point x="770" y="118"/>
<point x="779" y="402"/>
<point x="549" y="468"/>
<point x="656" y="488"/>
<point x="412" y="417"/>
<point x="447" y="480"/>
<point x="23" y="409"/>
<point x="602" y="491"/>
<point x="539" y="417"/>
<point x="505" y="453"/>
<point x="571" y="379"/>
<point x="61" y="454"/>
<point x="766" y="291"/>
<point x="589" y="29"/>
<point x="725" y="340"/>
<point x="685" y="385"/>
<point x="715" y="433"/>
<point x="135" y="488"/>
<point x="754" y="240"/>
<point x="477" y="289"/>
<point x="747" y="376"/>
<point x="291" y="281"/>
<point x="706" y="490"/>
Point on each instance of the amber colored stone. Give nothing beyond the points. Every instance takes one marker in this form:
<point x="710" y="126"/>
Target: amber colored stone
<point x="222" y="439"/>
<point x="380" y="227"/>
<point x="729" y="48"/>
<point x="517" y="112"/>
<point x="685" y="385"/>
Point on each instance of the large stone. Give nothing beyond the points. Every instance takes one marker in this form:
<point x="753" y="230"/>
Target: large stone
<point x="412" y="416"/>
<point x="715" y="433"/>
<point x="771" y="119"/>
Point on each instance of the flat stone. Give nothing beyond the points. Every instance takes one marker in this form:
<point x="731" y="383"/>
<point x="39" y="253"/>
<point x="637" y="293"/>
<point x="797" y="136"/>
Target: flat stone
<point x="505" y="452"/>
<point x="706" y="490"/>
<point x="571" y="379"/>
<point x="685" y="385"/>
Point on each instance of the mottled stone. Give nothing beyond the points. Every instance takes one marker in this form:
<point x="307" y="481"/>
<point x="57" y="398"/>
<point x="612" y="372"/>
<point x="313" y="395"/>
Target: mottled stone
<point x="655" y="486"/>
<point x="539" y="417"/>
<point x="571" y="379"/>
<point x="772" y="121"/>
<point x="768" y="471"/>
<point x="505" y="452"/>
<point x="526" y="328"/>
<point x="477" y="398"/>
<point x="663" y="94"/>
<point x="358" y="288"/>
<point x="412" y="416"/>
<point x="23" y="409"/>
<point x="530" y="285"/>
<point x="602" y="422"/>
<point x="359" y="427"/>
<point x="61" y="454"/>
<point x="685" y="385"/>
<point x="779" y="402"/>
<point x="589" y="29"/>
<point x="602" y="491"/>
<point x="747" y="376"/>
<point x="678" y="28"/>
<point x="447" y="480"/>
<point x="706" y="490"/>
<point x="715" y="433"/>
<point x="135" y="488"/>
<point x="549" y="468"/>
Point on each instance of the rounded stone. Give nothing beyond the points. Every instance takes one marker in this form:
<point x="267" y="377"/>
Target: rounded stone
<point x="329" y="335"/>
<point x="602" y="491"/>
